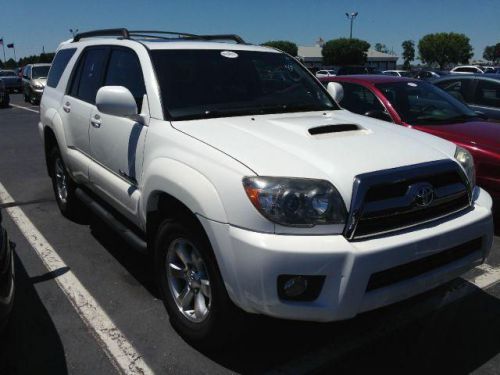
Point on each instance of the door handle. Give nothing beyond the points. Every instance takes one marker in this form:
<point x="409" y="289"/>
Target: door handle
<point x="96" y="121"/>
<point x="67" y="107"/>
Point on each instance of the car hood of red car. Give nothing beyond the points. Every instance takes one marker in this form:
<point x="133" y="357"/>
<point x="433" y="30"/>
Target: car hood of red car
<point x="480" y="134"/>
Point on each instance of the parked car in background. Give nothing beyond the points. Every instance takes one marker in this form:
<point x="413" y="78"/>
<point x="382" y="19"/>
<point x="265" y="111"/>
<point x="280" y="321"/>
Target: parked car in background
<point x="12" y="82"/>
<point x="326" y="73"/>
<point x="6" y="276"/>
<point x="467" y="69"/>
<point x="397" y="73"/>
<point x="423" y="106"/>
<point x="428" y="75"/>
<point x="4" y="95"/>
<point x="481" y="92"/>
<point x="345" y="70"/>
<point x="34" y="80"/>
<point x="491" y="70"/>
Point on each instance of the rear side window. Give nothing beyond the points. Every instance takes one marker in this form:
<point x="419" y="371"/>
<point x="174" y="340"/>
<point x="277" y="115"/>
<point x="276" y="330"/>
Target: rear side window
<point x="58" y="65"/>
<point x="125" y="70"/>
<point x="488" y="93"/>
<point x="457" y="88"/>
<point x="89" y="74"/>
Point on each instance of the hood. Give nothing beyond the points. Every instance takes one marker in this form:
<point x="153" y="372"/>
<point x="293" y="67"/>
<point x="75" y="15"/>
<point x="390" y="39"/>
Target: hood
<point x="481" y="134"/>
<point x="281" y="145"/>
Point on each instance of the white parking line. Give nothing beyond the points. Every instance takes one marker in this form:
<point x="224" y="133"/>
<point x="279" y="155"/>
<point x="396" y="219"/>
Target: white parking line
<point x="119" y="350"/>
<point x="490" y="277"/>
<point x="25" y="108"/>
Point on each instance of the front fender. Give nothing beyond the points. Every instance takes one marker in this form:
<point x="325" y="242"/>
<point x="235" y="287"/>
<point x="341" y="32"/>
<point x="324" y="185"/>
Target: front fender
<point x="185" y="184"/>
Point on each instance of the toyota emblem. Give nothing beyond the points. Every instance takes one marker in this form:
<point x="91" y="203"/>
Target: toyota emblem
<point x="423" y="195"/>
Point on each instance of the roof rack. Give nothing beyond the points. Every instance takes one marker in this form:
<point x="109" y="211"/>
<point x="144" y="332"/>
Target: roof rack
<point x="104" y="32"/>
<point x="126" y="34"/>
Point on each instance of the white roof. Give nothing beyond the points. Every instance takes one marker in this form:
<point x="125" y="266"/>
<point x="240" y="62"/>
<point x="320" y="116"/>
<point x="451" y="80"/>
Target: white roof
<point x="311" y="52"/>
<point x="314" y="52"/>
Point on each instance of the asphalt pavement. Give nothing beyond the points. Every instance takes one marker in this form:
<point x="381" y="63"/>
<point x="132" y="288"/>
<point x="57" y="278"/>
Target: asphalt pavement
<point x="453" y="329"/>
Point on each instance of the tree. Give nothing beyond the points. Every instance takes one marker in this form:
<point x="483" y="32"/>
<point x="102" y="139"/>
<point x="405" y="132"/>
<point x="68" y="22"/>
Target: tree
<point x="284" y="45"/>
<point x="408" y="53"/>
<point x="381" y="48"/>
<point x="10" y="63"/>
<point x="1" y="64"/>
<point x="492" y="53"/>
<point x="344" y="51"/>
<point x="444" y="49"/>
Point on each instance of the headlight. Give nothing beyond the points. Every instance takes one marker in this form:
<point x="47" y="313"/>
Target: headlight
<point x="296" y="201"/>
<point x="38" y="86"/>
<point x="466" y="160"/>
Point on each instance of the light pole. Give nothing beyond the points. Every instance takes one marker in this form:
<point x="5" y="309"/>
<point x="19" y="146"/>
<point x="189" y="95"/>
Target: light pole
<point x="74" y="32"/>
<point x="351" y="17"/>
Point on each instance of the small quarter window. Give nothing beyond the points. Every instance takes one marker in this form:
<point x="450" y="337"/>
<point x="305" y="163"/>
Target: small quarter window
<point x="59" y="65"/>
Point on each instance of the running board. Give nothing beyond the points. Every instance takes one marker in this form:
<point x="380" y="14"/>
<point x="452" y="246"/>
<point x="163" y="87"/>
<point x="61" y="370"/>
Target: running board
<point x="121" y="229"/>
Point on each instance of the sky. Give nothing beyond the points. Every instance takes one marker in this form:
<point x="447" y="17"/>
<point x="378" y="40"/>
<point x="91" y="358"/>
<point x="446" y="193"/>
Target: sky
<point x="33" y="25"/>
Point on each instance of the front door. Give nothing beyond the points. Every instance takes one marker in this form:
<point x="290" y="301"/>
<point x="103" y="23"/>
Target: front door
<point x="117" y="143"/>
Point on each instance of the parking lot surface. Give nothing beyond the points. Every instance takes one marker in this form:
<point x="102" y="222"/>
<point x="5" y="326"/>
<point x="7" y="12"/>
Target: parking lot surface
<point x="452" y="329"/>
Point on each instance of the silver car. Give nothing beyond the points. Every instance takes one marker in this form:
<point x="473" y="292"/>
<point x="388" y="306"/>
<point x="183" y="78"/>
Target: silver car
<point x="34" y="80"/>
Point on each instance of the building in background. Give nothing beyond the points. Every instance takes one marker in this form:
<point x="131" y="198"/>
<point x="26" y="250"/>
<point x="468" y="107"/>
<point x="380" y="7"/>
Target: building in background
<point x="313" y="59"/>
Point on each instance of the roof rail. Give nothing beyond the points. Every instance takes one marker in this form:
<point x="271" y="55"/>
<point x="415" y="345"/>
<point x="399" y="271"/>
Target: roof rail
<point x="104" y="32"/>
<point x="238" y="39"/>
<point x="148" y="32"/>
<point x="126" y="34"/>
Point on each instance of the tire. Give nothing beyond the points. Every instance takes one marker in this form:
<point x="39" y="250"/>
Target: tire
<point x="64" y="188"/>
<point x="221" y="318"/>
<point x="26" y="97"/>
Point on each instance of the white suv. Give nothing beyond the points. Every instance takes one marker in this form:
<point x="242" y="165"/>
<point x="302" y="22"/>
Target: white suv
<point x="234" y="167"/>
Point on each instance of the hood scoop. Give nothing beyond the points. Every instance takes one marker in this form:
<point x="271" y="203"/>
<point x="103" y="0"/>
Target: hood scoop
<point x="338" y="128"/>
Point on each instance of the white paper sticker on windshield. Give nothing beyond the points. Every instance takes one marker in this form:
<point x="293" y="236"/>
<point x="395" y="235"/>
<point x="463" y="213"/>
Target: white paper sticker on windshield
<point x="229" y="54"/>
<point x="412" y="84"/>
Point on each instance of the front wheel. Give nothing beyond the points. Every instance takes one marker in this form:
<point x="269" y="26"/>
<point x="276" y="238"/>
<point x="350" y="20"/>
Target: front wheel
<point x="191" y="286"/>
<point x="64" y="188"/>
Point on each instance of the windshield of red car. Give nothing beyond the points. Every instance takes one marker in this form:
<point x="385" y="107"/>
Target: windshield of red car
<point x="215" y="83"/>
<point x="421" y="103"/>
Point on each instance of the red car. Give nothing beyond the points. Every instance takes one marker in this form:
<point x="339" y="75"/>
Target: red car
<point x="420" y="105"/>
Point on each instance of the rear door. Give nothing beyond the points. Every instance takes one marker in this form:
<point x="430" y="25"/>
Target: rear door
<point x="117" y="143"/>
<point x="459" y="88"/>
<point x="486" y="98"/>
<point x="77" y="105"/>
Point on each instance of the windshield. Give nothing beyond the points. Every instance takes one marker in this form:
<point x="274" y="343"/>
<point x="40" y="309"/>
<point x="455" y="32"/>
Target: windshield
<point x="213" y="83"/>
<point x="40" y="71"/>
<point x="420" y="103"/>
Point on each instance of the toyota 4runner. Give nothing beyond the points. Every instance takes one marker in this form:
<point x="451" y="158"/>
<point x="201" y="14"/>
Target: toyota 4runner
<point x="251" y="189"/>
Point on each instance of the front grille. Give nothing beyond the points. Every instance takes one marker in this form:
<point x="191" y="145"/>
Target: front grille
<point x="399" y="198"/>
<point x="418" y="267"/>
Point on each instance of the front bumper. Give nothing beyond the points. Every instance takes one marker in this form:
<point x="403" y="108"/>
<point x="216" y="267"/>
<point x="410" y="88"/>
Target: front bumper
<point x="251" y="262"/>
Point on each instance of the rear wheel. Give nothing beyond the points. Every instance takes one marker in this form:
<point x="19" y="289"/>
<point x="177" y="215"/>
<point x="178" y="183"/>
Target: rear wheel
<point x="191" y="286"/>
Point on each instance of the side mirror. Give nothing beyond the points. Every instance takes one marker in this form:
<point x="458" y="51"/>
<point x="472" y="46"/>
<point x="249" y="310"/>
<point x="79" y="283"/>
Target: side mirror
<point x="380" y="115"/>
<point x="336" y="91"/>
<point x="116" y="101"/>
